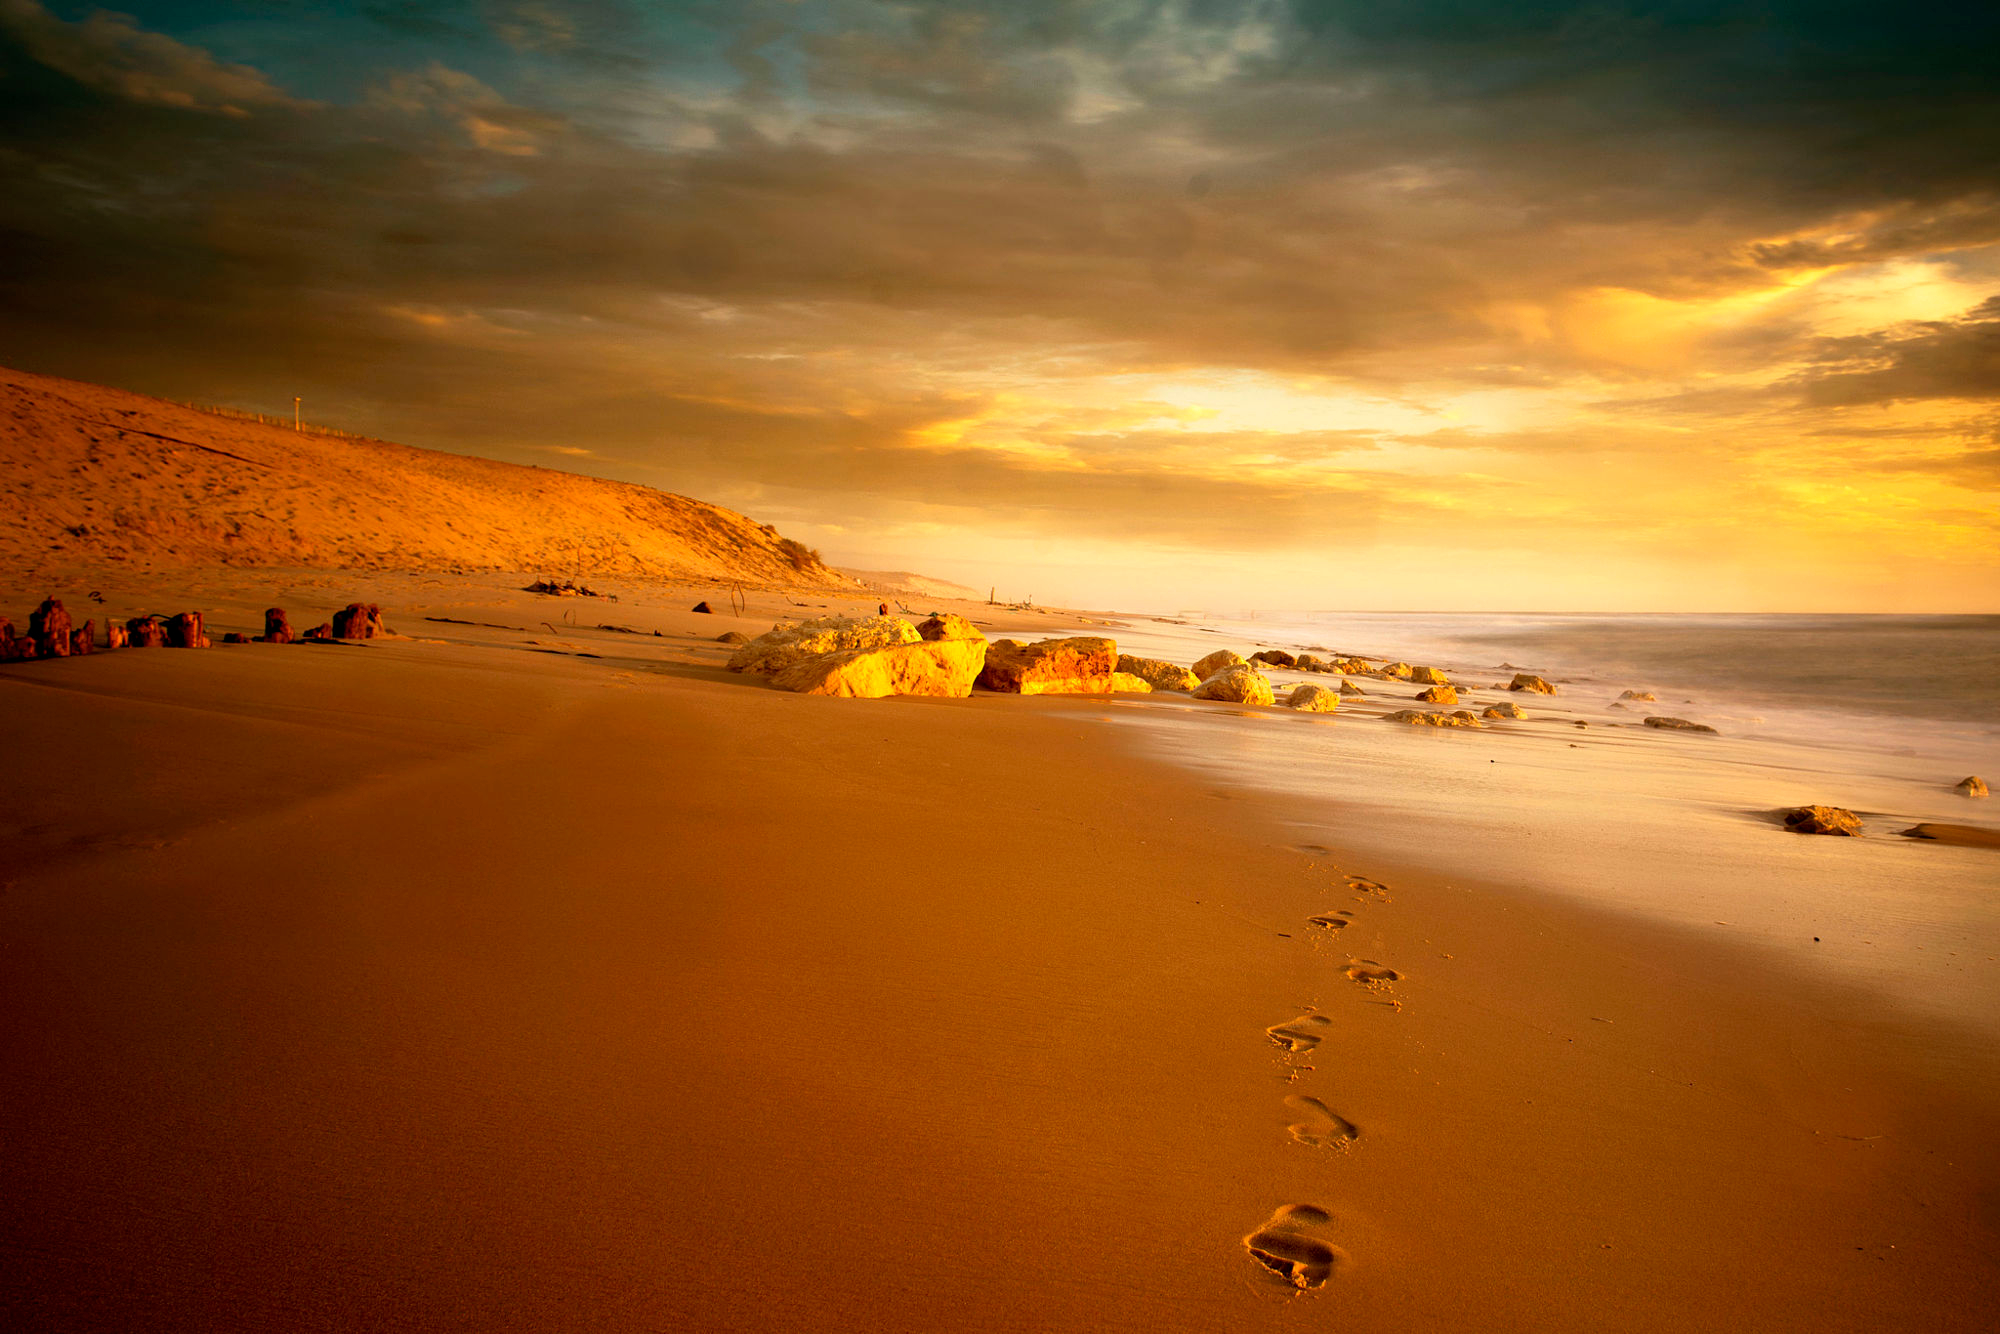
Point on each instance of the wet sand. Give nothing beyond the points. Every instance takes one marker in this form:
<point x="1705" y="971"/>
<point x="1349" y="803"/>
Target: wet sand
<point x="466" y="982"/>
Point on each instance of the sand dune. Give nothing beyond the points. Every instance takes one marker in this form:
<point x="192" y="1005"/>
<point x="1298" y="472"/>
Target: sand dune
<point x="98" y="477"/>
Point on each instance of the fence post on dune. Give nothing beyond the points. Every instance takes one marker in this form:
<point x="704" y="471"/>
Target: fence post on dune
<point x="295" y="412"/>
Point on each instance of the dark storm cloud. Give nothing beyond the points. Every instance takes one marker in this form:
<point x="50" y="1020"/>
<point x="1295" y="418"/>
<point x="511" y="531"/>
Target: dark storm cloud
<point x="1933" y="359"/>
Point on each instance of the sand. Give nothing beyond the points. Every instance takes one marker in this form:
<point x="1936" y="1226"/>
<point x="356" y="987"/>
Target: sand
<point x="466" y="981"/>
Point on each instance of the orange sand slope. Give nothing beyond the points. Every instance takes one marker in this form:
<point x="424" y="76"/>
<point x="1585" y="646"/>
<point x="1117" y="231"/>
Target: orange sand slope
<point x="94" y="476"/>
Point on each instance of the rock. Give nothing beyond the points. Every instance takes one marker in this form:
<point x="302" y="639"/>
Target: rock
<point x="324" y="630"/>
<point x="236" y="637"/>
<point x="1236" y="683"/>
<point x="1079" y="665"/>
<point x="1276" y="657"/>
<point x="1507" y="709"/>
<point x="1428" y="676"/>
<point x="277" y="626"/>
<point x="732" y="637"/>
<point x="704" y="608"/>
<point x="769" y="654"/>
<point x="1972" y="786"/>
<point x="1159" y="674"/>
<point x="1306" y="662"/>
<point x="1439" y="695"/>
<point x="1614" y="704"/>
<point x="1215" y="662"/>
<point x="1429" y="718"/>
<point x="944" y="625"/>
<point x="1823" y="820"/>
<point x="1644" y="696"/>
<point x="17" y="649"/>
<point x="184" y="631"/>
<point x="114" y="635"/>
<point x="358" y="620"/>
<point x="83" y="639"/>
<point x="1128" y="683"/>
<point x="146" y="632"/>
<point x="1355" y="667"/>
<point x="1349" y="688"/>
<point x="1399" y="670"/>
<point x="943" y="668"/>
<point x="1312" y="697"/>
<point x="49" y="627"/>
<point x="1678" y="725"/>
<point x="1529" y="681"/>
<point x="1963" y="835"/>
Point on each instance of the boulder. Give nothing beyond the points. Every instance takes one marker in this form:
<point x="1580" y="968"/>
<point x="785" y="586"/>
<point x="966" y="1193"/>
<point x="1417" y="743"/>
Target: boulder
<point x="146" y="632"/>
<point x="277" y="626"/>
<point x="1428" y="676"/>
<point x="1080" y="665"/>
<point x="1644" y="696"/>
<point x="49" y="627"/>
<point x="938" y="667"/>
<point x="1399" y="670"/>
<point x="1349" y="688"/>
<point x="1972" y="786"/>
<point x="1306" y="662"/>
<point x="1159" y="674"/>
<point x="184" y="631"/>
<point x="1506" y="709"/>
<point x="1276" y="657"/>
<point x="358" y="620"/>
<point x="1529" y="681"/>
<point x="732" y="637"/>
<point x="1312" y="697"/>
<point x="944" y="625"/>
<point x="1439" y="695"/>
<point x="704" y="609"/>
<point x="1215" y="662"/>
<point x="1823" y="820"/>
<point x="83" y="639"/>
<point x="20" y="649"/>
<point x="1127" y="683"/>
<point x="1678" y="725"/>
<point x="1237" y="683"/>
<point x="1431" y="718"/>
<point x="785" y="645"/>
<point x="114" y="635"/>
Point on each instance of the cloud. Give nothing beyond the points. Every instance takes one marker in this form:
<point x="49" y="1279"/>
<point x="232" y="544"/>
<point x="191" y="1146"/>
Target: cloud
<point x="110" y="53"/>
<point x="1935" y="359"/>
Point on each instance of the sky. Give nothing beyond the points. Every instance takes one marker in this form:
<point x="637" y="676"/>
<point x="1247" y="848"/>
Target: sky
<point x="1153" y="304"/>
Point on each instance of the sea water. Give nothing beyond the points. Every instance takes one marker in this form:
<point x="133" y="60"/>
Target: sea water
<point x="1879" y="714"/>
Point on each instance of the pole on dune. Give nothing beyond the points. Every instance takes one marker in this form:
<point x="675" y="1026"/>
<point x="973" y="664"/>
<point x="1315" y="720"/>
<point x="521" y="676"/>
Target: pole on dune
<point x="295" y="412"/>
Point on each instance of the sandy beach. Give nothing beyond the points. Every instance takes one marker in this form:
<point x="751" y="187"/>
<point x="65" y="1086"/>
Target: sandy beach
<point x="526" y="975"/>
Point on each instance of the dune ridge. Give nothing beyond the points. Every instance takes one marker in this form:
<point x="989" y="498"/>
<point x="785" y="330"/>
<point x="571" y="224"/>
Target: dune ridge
<point x="94" y="476"/>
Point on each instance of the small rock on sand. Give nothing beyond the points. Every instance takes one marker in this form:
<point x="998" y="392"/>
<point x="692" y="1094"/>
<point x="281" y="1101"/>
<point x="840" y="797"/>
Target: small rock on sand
<point x="1972" y="785"/>
<point x="1312" y="697"/>
<point x="1823" y="820"/>
<point x="1275" y="657"/>
<point x="1645" y="696"/>
<point x="703" y="608"/>
<point x="1432" y="718"/>
<point x="1505" y="709"/>
<point x="1529" y="681"/>
<point x="1428" y="676"/>
<point x="1349" y="688"/>
<point x="1439" y="695"/>
<point x="732" y="637"/>
<point x="1678" y="725"/>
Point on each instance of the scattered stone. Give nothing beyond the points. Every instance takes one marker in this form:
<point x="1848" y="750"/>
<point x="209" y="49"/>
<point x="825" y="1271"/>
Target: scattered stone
<point x="1505" y="709"/>
<point x="1679" y="725"/>
<point x="146" y="632"/>
<point x="1159" y="674"/>
<point x="49" y="627"/>
<point x="1312" y="697"/>
<point x="785" y="645"/>
<point x="944" y="625"/>
<point x="1439" y="695"/>
<point x="1349" y="688"/>
<point x="1236" y="683"/>
<point x="1644" y="696"/>
<point x="1079" y="665"/>
<point x="184" y="631"/>
<point x="1529" y="681"/>
<point x="1428" y="676"/>
<point x="277" y="626"/>
<point x="359" y="620"/>
<point x="704" y="608"/>
<point x="1432" y="718"/>
<point x="732" y="637"/>
<point x="944" y="668"/>
<point x="1215" y="662"/>
<point x="1275" y="657"/>
<point x="1972" y="785"/>
<point x="1823" y="820"/>
<point x="236" y="637"/>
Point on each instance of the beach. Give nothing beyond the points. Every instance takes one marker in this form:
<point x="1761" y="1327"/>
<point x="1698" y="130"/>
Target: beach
<point x="518" y="973"/>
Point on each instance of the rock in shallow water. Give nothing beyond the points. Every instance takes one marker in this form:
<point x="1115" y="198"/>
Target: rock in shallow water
<point x="1239" y="683"/>
<point x="942" y="667"/>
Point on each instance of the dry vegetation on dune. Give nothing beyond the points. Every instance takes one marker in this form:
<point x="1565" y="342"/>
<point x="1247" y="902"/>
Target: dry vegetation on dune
<point x="94" y="475"/>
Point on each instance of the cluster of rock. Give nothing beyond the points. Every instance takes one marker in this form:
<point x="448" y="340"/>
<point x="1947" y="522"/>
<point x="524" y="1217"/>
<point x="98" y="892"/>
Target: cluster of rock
<point x="565" y="589"/>
<point x="52" y="635"/>
<point x="1434" y="718"/>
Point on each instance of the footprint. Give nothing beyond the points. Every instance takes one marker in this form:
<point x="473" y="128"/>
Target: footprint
<point x="1371" y="974"/>
<point x="1320" y="1126"/>
<point x="1301" y="1034"/>
<point x="1363" y="885"/>
<point x="1331" y="921"/>
<point x="1287" y="1248"/>
<point x="1313" y="849"/>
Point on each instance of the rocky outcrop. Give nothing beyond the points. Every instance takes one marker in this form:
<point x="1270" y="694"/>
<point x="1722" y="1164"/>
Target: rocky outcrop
<point x="1678" y="725"/>
<point x="944" y="625"/>
<point x="1215" y="662"/>
<point x="1439" y="695"/>
<point x="1971" y="786"/>
<point x="1529" y="681"/>
<point x="184" y="631"/>
<point x="1312" y="697"/>
<point x="1432" y="718"/>
<point x="1349" y="688"/>
<point x="1080" y="665"/>
<point x="1643" y="696"/>
<point x="1275" y="657"/>
<point x="943" y="668"/>
<point x="146" y="632"/>
<point x="1236" y="683"/>
<point x="1159" y="674"/>
<point x="277" y="626"/>
<point x="1506" y="709"/>
<point x="1428" y="676"/>
<point x="49" y="627"/>
<point x="786" y="645"/>
<point x="1822" y="820"/>
<point x="359" y="620"/>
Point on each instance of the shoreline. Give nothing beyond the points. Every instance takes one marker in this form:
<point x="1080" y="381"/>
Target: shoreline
<point x="955" y="1016"/>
